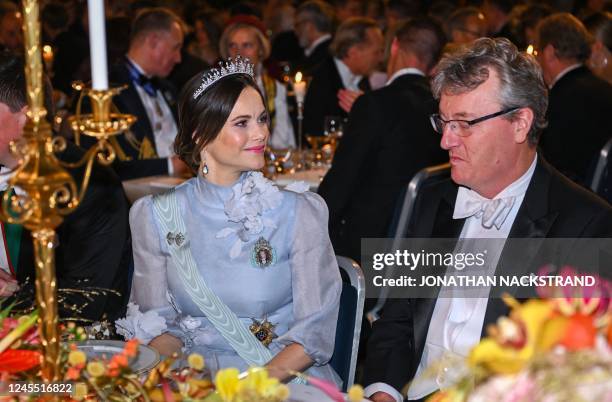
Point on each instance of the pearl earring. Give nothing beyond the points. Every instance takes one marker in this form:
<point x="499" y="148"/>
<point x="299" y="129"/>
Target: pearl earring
<point x="205" y="169"/>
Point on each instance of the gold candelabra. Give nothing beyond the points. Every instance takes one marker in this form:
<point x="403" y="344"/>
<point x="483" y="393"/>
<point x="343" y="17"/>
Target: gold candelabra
<point x="50" y="191"/>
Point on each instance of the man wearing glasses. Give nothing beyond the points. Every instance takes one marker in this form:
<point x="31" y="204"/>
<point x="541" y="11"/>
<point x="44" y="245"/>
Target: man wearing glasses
<point x="492" y="106"/>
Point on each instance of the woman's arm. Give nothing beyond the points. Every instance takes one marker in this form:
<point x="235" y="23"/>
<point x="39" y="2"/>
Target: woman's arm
<point x="292" y="357"/>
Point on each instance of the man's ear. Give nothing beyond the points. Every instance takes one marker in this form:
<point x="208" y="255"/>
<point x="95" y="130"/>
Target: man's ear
<point x="550" y="54"/>
<point x="522" y="120"/>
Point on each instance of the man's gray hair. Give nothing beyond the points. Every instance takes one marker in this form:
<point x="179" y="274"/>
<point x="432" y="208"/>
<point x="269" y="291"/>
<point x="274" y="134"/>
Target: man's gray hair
<point x="319" y="13"/>
<point x="351" y="32"/>
<point x="520" y="76"/>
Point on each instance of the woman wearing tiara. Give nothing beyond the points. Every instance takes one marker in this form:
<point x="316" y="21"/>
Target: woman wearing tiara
<point x="227" y="264"/>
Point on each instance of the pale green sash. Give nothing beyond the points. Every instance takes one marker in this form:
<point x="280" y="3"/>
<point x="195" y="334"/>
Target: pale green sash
<point x="225" y="320"/>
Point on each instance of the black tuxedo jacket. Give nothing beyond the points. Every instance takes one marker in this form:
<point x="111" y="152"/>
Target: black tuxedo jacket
<point x="322" y="97"/>
<point x="553" y="207"/>
<point x="387" y="141"/>
<point x="129" y="102"/>
<point x="579" y="123"/>
<point x="94" y="248"/>
<point x="319" y="55"/>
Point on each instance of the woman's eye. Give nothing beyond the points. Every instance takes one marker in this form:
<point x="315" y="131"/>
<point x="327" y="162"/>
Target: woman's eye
<point x="241" y="123"/>
<point x="263" y="119"/>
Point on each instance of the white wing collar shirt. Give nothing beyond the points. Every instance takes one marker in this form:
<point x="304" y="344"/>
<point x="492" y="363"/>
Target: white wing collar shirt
<point x="456" y="323"/>
<point x="161" y="118"/>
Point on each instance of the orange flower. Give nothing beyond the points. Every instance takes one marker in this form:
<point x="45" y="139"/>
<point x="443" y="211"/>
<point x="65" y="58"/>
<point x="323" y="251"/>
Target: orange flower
<point x="580" y="333"/>
<point x="73" y="373"/>
<point x="119" y="360"/>
<point x="131" y="348"/>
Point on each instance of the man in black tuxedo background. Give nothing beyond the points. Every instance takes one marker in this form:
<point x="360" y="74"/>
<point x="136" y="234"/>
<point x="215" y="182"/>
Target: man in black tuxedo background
<point x="580" y="103"/>
<point x="357" y="49"/>
<point x="92" y="247"/>
<point x="314" y="22"/>
<point x="492" y="105"/>
<point x="146" y="149"/>
<point x="388" y="140"/>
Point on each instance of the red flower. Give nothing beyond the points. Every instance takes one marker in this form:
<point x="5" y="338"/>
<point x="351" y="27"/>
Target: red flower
<point x="16" y="360"/>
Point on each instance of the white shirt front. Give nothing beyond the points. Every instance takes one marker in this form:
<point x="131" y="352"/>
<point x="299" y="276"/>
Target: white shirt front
<point x="564" y="72"/>
<point x="456" y="323"/>
<point x="310" y="49"/>
<point x="404" y="71"/>
<point x="349" y="80"/>
<point x="4" y="178"/>
<point x="161" y="119"/>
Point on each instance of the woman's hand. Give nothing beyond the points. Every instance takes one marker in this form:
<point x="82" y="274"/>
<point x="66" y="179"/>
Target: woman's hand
<point x="167" y="344"/>
<point x="292" y="357"/>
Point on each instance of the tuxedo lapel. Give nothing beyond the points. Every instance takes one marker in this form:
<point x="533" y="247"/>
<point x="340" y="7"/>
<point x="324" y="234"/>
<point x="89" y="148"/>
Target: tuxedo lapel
<point x="444" y="227"/>
<point x="533" y="221"/>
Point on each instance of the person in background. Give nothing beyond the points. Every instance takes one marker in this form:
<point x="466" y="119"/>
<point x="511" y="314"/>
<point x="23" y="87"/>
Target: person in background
<point x="600" y="62"/>
<point x="387" y="141"/>
<point x="345" y="9"/>
<point x="579" y="102"/>
<point x="92" y="249"/>
<point x="357" y="50"/>
<point x="314" y="27"/>
<point x="11" y="36"/>
<point x="206" y="38"/>
<point x="465" y="25"/>
<point x="156" y="38"/>
<point x="245" y="36"/>
<point x="497" y="15"/>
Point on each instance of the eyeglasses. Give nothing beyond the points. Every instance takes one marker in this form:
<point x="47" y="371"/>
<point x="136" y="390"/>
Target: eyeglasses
<point x="462" y="127"/>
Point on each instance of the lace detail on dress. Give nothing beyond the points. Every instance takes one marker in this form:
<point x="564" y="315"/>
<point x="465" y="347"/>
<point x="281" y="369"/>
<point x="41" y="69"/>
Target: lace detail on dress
<point x="143" y="326"/>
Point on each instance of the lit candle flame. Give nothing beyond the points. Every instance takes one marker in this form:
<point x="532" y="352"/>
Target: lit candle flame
<point x="531" y="50"/>
<point x="298" y="76"/>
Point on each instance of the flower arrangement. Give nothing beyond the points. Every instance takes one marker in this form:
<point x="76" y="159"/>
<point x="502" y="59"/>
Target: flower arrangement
<point x="557" y="348"/>
<point x="110" y="377"/>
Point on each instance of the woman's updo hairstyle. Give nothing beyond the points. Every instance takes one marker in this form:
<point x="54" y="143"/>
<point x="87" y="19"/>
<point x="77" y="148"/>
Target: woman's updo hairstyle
<point x="201" y="119"/>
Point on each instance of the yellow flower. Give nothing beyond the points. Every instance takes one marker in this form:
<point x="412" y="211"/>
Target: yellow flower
<point x="226" y="382"/>
<point x="80" y="391"/>
<point x="76" y="357"/>
<point x="95" y="369"/>
<point x="355" y="393"/>
<point x="195" y="361"/>
<point x="282" y="392"/>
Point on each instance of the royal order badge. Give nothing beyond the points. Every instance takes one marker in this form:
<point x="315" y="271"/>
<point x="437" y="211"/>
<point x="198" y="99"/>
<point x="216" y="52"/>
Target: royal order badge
<point x="263" y="254"/>
<point x="263" y="331"/>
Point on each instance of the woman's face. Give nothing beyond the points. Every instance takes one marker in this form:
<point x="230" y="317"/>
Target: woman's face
<point x="244" y="42"/>
<point x="240" y="145"/>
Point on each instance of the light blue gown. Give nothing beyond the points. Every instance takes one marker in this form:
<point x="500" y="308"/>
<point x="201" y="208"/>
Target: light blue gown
<point x="299" y="292"/>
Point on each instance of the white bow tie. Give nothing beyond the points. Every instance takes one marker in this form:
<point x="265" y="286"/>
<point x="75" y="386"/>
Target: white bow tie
<point x="493" y="212"/>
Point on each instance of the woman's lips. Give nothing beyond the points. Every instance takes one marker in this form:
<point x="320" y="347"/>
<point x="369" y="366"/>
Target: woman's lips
<point x="258" y="149"/>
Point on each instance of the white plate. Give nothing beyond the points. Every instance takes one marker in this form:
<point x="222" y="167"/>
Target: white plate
<point x="145" y="360"/>
<point x="308" y="393"/>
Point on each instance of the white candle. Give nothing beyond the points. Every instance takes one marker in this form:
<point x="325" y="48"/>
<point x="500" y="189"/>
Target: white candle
<point x="97" y="44"/>
<point x="299" y="88"/>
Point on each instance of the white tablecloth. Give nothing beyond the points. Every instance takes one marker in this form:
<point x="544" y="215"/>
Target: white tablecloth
<point x="136" y="188"/>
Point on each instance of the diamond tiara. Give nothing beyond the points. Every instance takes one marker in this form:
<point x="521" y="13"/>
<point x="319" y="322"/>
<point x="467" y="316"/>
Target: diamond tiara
<point x="238" y="65"/>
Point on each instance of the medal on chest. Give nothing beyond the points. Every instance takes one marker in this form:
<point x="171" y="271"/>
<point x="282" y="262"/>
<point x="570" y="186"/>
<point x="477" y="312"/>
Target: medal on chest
<point x="263" y="254"/>
<point x="263" y="331"/>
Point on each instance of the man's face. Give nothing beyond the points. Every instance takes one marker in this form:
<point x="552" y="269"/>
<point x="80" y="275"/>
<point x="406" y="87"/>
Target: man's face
<point x="473" y="29"/>
<point x="481" y="156"/>
<point x="11" y="128"/>
<point x="302" y="25"/>
<point x="10" y="32"/>
<point x="166" y="50"/>
<point x="368" y="55"/>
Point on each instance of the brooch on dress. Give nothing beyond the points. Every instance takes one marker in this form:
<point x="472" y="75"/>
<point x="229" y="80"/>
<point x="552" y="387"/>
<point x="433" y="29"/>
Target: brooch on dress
<point x="263" y="254"/>
<point x="263" y="331"/>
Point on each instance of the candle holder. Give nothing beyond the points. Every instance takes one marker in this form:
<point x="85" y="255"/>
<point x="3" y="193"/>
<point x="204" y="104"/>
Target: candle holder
<point x="50" y="191"/>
